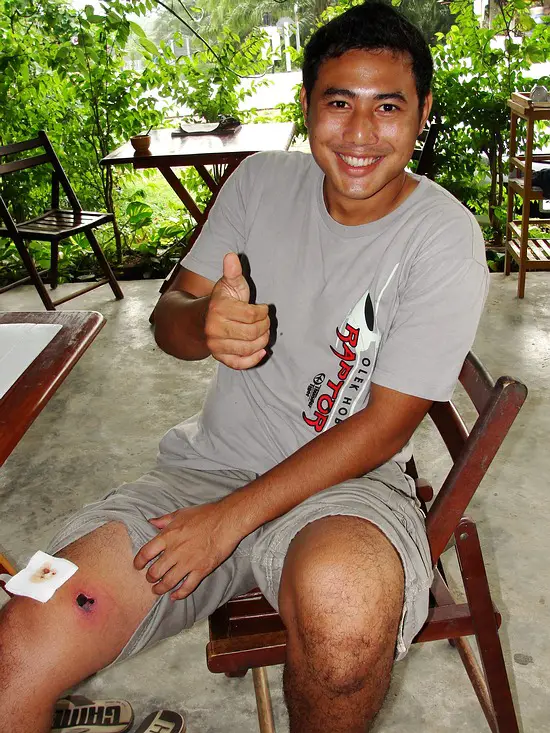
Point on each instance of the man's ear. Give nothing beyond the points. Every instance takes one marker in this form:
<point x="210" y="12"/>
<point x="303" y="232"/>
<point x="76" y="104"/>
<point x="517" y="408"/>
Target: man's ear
<point x="303" y="102"/>
<point x="426" y="109"/>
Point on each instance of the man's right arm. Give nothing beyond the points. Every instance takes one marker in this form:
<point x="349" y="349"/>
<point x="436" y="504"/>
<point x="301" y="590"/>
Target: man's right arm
<point x="197" y="317"/>
<point x="180" y="317"/>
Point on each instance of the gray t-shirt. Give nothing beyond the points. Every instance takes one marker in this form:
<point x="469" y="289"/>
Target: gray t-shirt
<point x="396" y="302"/>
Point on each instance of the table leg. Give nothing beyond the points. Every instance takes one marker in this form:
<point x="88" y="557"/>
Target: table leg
<point x="182" y="193"/>
<point x="204" y="173"/>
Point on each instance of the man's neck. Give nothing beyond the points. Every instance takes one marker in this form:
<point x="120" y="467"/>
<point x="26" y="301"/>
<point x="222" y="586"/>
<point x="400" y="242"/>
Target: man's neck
<point x="356" y="213"/>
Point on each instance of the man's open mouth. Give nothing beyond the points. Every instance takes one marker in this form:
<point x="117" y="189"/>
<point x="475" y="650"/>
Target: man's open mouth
<point x="359" y="162"/>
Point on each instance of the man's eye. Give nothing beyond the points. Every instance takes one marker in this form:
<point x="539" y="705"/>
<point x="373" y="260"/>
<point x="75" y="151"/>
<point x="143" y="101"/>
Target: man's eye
<point x="339" y="103"/>
<point x="388" y="107"/>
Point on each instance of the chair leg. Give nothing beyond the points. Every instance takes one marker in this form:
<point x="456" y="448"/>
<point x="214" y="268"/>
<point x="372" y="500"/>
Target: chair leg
<point x="54" y="264"/>
<point x="485" y="627"/>
<point x="443" y="597"/>
<point x="263" y="700"/>
<point x="521" y="277"/>
<point x="109" y="274"/>
<point x="6" y="566"/>
<point x="441" y="569"/>
<point x="507" y="260"/>
<point x="33" y="274"/>
<point x="477" y="679"/>
<point x="509" y="220"/>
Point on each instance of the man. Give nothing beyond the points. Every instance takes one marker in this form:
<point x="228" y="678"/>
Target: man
<point x="369" y="283"/>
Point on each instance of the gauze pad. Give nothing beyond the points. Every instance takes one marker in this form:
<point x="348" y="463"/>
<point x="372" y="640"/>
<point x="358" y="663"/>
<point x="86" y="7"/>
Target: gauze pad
<point x="43" y="575"/>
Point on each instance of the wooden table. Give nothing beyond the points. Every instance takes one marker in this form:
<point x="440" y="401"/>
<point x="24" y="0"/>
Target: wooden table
<point x="167" y="152"/>
<point x="31" y="392"/>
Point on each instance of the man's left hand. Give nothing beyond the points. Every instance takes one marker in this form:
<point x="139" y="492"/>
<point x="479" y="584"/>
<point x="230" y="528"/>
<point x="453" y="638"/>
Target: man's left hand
<point x="191" y="544"/>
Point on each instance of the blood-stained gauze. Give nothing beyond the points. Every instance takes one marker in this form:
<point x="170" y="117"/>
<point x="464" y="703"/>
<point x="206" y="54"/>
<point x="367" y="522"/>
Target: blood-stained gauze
<point x="43" y="575"/>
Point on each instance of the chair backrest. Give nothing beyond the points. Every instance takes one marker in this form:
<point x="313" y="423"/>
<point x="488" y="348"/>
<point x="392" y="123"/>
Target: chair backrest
<point x="59" y="176"/>
<point x="426" y="155"/>
<point x="472" y="451"/>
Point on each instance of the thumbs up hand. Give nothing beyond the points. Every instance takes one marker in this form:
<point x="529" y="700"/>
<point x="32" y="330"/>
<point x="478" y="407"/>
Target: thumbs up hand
<point x="236" y="331"/>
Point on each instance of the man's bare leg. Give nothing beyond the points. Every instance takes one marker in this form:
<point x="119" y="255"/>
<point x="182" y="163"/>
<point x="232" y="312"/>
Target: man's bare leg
<point x="341" y="599"/>
<point x="45" y="648"/>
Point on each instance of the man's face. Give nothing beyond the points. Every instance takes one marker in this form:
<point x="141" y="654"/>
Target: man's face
<point x="363" y="120"/>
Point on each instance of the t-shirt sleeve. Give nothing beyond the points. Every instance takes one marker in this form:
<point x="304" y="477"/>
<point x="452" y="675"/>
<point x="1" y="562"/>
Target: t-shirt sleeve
<point x="224" y="230"/>
<point x="437" y="316"/>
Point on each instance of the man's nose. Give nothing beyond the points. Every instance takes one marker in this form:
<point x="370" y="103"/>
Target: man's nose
<point x="361" y="128"/>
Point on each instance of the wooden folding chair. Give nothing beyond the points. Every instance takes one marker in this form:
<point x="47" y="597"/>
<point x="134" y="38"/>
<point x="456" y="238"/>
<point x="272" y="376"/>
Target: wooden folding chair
<point x="246" y="633"/>
<point x="52" y="226"/>
<point x="424" y="153"/>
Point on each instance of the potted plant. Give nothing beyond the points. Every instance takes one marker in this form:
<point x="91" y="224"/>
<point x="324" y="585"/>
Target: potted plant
<point x="141" y="142"/>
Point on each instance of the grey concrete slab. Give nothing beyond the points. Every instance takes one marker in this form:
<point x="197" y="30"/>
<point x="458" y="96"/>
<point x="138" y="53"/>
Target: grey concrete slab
<point x="102" y="428"/>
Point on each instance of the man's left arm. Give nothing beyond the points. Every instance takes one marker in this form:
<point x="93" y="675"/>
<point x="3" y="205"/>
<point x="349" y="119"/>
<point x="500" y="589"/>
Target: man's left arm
<point x="193" y="542"/>
<point x="348" y="450"/>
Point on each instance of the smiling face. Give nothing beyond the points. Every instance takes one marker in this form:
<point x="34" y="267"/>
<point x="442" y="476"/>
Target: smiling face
<point x="363" y="119"/>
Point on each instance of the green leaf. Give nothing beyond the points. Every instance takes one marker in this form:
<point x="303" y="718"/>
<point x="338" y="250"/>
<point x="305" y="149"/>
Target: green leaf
<point x="148" y="45"/>
<point x="138" y="30"/>
<point x="171" y="231"/>
<point x="140" y="214"/>
<point x="135" y="207"/>
<point x="80" y="58"/>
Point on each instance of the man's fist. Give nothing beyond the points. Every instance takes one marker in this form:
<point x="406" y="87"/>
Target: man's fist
<point x="236" y="331"/>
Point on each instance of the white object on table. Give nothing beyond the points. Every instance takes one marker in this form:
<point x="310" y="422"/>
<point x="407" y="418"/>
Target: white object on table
<point x="20" y="344"/>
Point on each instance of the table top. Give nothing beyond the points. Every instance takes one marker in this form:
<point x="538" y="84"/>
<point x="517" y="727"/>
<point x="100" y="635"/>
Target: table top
<point x="522" y="105"/>
<point x="205" y="149"/>
<point x="31" y="392"/>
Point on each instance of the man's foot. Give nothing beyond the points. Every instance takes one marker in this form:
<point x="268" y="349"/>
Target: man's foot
<point x="166" y="721"/>
<point x="76" y="714"/>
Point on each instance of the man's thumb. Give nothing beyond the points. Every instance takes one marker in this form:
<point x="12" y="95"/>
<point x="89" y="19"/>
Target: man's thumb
<point x="232" y="269"/>
<point x="234" y="281"/>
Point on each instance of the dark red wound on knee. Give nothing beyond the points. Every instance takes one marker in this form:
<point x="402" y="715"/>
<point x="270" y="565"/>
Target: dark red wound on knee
<point x="85" y="602"/>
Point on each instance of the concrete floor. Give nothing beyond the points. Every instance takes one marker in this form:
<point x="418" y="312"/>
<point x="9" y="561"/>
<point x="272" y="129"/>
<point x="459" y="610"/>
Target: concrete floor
<point x="103" y="426"/>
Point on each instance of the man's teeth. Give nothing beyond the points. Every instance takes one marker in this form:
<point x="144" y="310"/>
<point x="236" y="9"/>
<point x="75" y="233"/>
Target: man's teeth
<point x="358" y="162"/>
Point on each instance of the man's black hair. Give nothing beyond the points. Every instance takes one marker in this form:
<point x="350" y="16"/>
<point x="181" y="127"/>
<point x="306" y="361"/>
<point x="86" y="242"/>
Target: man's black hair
<point x="372" y="26"/>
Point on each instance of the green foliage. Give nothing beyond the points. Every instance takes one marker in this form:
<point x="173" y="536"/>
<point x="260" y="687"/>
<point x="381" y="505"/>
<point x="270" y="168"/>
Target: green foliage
<point x="32" y="94"/>
<point x="292" y="111"/>
<point x="209" y="84"/>
<point x="67" y="72"/>
<point x="112" y="102"/>
<point x="477" y="70"/>
<point x="495" y="261"/>
<point x="243" y="16"/>
<point x="431" y="17"/>
<point x="158" y="245"/>
<point x="64" y="72"/>
<point x="162" y="25"/>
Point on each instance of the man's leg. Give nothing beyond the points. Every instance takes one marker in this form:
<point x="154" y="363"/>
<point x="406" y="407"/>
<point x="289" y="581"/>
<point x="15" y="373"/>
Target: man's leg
<point x="341" y="599"/>
<point x="46" y="648"/>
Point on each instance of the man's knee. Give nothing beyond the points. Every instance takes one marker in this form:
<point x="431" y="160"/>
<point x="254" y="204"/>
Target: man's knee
<point x="86" y="623"/>
<point x="341" y="599"/>
<point x="58" y="643"/>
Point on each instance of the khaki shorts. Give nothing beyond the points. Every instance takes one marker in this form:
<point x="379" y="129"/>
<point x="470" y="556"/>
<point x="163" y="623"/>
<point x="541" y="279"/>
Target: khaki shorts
<point x="385" y="497"/>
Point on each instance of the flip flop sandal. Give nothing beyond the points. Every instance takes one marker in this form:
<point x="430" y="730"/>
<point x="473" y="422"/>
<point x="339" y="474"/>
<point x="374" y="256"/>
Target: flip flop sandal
<point x="163" y="721"/>
<point x="77" y="714"/>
